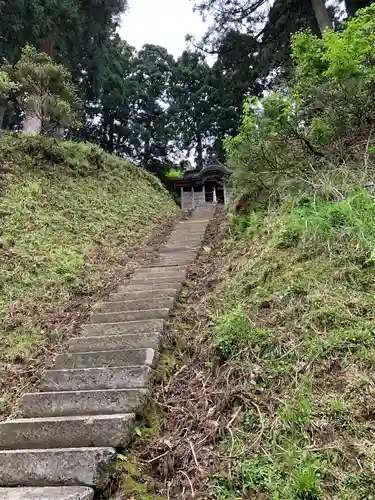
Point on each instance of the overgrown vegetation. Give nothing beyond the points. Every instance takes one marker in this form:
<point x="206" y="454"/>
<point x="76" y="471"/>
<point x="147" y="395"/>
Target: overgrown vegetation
<point x="305" y="327"/>
<point x="272" y="395"/>
<point x="319" y="120"/>
<point x="69" y="214"/>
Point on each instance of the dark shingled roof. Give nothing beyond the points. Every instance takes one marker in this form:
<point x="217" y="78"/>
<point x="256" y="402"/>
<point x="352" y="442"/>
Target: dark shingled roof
<point x="212" y="169"/>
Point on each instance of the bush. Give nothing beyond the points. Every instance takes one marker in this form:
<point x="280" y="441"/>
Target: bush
<point x="321" y="118"/>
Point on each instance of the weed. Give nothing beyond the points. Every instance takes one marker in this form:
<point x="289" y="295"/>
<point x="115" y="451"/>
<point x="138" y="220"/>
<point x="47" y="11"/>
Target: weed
<point x="234" y="332"/>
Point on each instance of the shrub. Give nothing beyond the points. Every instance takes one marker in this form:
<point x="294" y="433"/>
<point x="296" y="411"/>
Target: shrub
<point x="321" y="117"/>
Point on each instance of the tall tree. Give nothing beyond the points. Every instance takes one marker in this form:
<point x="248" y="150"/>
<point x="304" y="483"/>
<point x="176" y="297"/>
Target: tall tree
<point x="109" y="109"/>
<point x="321" y="14"/>
<point x="73" y="32"/>
<point x="151" y="128"/>
<point x="353" y="5"/>
<point x="191" y="93"/>
<point x="262" y="22"/>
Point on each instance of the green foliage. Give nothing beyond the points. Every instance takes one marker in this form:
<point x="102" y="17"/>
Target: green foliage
<point x="47" y="89"/>
<point x="321" y="222"/>
<point x="235" y="332"/>
<point x="192" y="89"/>
<point x="322" y="116"/>
<point x="7" y="86"/>
<point x="174" y="173"/>
<point x="304" y="273"/>
<point x="69" y="213"/>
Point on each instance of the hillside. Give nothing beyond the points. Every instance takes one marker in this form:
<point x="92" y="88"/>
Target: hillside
<point x="266" y="388"/>
<point x="70" y="213"/>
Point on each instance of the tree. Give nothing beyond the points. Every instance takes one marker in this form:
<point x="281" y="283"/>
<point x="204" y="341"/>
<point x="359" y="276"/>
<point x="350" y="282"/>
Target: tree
<point x="48" y="95"/>
<point x="108" y="114"/>
<point x="73" y="32"/>
<point x="321" y="14"/>
<point x="234" y="75"/>
<point x="353" y="5"/>
<point x="191" y="103"/>
<point x="7" y="88"/>
<point x="152" y="130"/>
<point x="277" y="22"/>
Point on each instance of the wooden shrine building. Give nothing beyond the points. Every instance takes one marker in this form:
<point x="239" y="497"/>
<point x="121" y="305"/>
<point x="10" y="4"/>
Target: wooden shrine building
<point x="208" y="185"/>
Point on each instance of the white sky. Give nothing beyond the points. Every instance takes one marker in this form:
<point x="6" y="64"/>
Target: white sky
<point x="161" y="22"/>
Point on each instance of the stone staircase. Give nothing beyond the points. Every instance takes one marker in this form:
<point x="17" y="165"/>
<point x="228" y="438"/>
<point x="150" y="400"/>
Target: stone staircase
<point x="86" y="404"/>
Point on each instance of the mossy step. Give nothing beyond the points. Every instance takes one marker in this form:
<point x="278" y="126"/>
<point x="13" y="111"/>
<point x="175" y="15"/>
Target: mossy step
<point x="98" y="359"/>
<point x="93" y="402"/>
<point x="135" y="304"/>
<point x="152" y="284"/>
<point x="115" y="342"/>
<point x="47" y="493"/>
<point x="118" y="317"/>
<point x="179" y="271"/>
<point x="144" y="294"/>
<point x="124" y="327"/>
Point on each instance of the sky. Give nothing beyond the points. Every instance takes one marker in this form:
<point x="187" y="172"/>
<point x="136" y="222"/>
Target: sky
<point x="161" y="22"/>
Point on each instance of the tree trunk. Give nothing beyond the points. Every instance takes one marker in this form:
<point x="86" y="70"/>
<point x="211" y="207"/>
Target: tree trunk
<point x="2" y="113"/>
<point x="199" y="151"/>
<point x="321" y="14"/>
<point x="32" y="123"/>
<point x="59" y="132"/>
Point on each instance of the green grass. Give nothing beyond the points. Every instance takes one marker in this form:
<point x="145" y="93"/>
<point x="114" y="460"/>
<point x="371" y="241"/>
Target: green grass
<point x="68" y="215"/>
<point x="283" y="342"/>
<point x="299" y="301"/>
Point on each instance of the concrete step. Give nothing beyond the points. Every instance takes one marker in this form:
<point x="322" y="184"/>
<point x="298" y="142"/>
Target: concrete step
<point x="100" y="402"/>
<point x="120" y="317"/>
<point x="161" y="271"/>
<point x="135" y="305"/>
<point x="193" y="222"/>
<point x="180" y="243"/>
<point x="64" y="432"/>
<point x="123" y="328"/>
<point x="193" y="226"/>
<point x="115" y="342"/>
<point x="124" y="377"/>
<point x="179" y="236"/>
<point x="178" y="247"/>
<point x="99" y="359"/>
<point x="177" y="276"/>
<point x="48" y="493"/>
<point x="150" y="284"/>
<point x="186" y="253"/>
<point x="141" y="285"/>
<point x="54" y="467"/>
<point x="174" y="260"/>
<point x="143" y="294"/>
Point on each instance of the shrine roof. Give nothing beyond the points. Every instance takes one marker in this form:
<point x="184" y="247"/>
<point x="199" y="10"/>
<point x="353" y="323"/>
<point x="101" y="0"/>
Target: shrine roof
<point x="198" y="176"/>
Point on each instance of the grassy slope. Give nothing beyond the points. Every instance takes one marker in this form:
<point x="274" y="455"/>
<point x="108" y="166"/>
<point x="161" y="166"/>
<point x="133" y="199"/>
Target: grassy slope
<point x="68" y="214"/>
<point x="274" y="387"/>
<point x="298" y="308"/>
